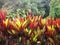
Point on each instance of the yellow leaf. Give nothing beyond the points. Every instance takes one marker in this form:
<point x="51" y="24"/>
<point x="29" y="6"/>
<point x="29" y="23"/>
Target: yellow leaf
<point x="38" y="31"/>
<point x="15" y="26"/>
<point x="18" y="23"/>
<point x="13" y="31"/>
<point x="29" y="31"/>
<point x="51" y="40"/>
<point x="20" y="39"/>
<point x="24" y="23"/>
<point x="35" y="38"/>
<point x="44" y="21"/>
<point x="9" y="32"/>
<point x="26" y="30"/>
<point x="51" y="28"/>
<point x="35" y="32"/>
<point x="6" y="22"/>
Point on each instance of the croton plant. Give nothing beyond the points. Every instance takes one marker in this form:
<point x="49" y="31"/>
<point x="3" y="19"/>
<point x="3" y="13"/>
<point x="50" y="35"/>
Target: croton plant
<point x="31" y="28"/>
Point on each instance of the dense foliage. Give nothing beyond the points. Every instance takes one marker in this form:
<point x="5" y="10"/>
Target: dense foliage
<point x="24" y="22"/>
<point x="30" y="28"/>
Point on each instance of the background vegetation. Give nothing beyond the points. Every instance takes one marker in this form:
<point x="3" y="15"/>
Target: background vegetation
<point x="37" y="7"/>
